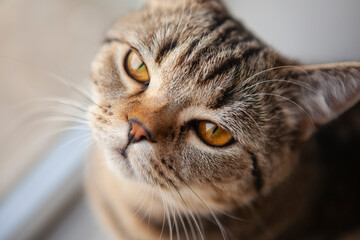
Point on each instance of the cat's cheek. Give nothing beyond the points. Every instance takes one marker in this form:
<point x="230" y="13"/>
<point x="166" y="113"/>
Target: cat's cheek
<point x="108" y="136"/>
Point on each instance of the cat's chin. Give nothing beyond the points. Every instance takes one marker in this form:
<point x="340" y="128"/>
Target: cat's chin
<point x="132" y="164"/>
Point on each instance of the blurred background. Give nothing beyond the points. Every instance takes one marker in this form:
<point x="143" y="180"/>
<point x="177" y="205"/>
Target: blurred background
<point x="46" y="48"/>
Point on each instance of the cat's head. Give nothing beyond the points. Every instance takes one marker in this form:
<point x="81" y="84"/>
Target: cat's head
<point x="188" y="97"/>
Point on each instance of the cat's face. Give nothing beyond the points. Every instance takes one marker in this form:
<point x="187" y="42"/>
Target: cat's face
<point x="185" y="97"/>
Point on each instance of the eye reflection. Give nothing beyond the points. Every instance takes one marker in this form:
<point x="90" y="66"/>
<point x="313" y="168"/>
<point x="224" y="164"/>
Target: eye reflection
<point x="212" y="134"/>
<point x="136" y="68"/>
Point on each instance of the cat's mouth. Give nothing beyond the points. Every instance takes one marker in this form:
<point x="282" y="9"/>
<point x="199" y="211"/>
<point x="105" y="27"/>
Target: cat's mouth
<point x="137" y="133"/>
<point x="133" y="160"/>
<point x="122" y="152"/>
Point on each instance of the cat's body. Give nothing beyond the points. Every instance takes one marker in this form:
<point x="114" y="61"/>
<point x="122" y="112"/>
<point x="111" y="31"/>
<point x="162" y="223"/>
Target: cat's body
<point x="156" y="175"/>
<point x="320" y="201"/>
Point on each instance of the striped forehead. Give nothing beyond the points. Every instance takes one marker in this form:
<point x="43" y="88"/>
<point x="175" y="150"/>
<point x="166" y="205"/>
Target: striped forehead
<point x="156" y="31"/>
<point x="195" y="49"/>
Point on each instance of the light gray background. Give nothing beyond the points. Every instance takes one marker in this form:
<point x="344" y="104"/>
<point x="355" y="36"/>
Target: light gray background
<point x="312" y="31"/>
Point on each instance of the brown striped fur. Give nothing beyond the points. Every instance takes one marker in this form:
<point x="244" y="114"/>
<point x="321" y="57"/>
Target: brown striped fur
<point x="205" y="65"/>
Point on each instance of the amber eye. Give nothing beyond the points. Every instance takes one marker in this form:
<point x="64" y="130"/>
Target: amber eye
<point x="136" y="67"/>
<point x="212" y="134"/>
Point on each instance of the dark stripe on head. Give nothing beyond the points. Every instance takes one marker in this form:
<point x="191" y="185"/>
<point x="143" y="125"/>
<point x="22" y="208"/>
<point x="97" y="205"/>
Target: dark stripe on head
<point x="225" y="98"/>
<point x="256" y="172"/>
<point x="165" y="49"/>
<point x="251" y="52"/>
<point x="218" y="23"/>
<point x="225" y="34"/>
<point x="190" y="49"/>
<point x="246" y="38"/>
<point x="235" y="42"/>
<point x="233" y="62"/>
<point x="224" y="67"/>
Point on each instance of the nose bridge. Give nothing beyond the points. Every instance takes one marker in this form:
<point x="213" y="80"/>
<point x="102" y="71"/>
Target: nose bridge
<point x="155" y="118"/>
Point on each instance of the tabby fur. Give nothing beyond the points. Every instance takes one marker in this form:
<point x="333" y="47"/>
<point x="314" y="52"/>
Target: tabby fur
<point x="271" y="183"/>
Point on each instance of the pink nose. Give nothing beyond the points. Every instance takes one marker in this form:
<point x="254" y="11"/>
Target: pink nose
<point x="138" y="132"/>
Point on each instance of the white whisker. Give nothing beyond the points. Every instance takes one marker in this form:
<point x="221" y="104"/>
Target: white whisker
<point x="231" y="216"/>
<point x="223" y="232"/>
<point x="189" y="17"/>
<point x="175" y="222"/>
<point x="178" y="26"/>
<point x="183" y="224"/>
<point x="149" y="212"/>
<point x="278" y="80"/>
<point x="197" y="219"/>
<point x="257" y="125"/>
<point x="272" y="69"/>
<point x="164" y="215"/>
<point x="143" y="200"/>
<point x="166" y="208"/>
<point x="291" y="101"/>
<point x="82" y="136"/>
<point x="76" y="88"/>
<point x="65" y="119"/>
<point x="200" y="230"/>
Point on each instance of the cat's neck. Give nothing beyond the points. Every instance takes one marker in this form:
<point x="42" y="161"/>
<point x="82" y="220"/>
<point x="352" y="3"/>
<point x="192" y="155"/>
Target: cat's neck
<point x="131" y="209"/>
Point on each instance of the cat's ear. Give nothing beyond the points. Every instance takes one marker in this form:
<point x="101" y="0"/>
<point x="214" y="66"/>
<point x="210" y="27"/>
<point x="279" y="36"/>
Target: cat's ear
<point x="321" y="93"/>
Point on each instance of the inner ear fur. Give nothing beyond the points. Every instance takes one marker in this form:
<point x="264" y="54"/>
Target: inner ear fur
<point x="322" y="93"/>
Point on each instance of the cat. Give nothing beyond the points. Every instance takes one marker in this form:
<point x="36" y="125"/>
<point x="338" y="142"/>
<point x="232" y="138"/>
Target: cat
<point x="205" y="132"/>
